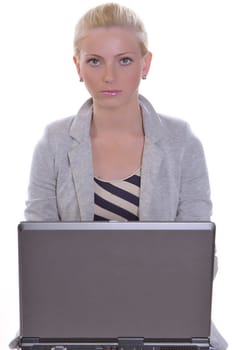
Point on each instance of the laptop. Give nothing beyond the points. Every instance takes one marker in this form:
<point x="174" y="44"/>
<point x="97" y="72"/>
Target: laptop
<point x="115" y="286"/>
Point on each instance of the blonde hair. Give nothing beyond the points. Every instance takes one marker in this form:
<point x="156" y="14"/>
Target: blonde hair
<point x="107" y="15"/>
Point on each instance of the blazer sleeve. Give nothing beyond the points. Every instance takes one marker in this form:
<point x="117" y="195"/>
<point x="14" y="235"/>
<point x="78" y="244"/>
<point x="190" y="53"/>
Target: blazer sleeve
<point x="194" y="198"/>
<point x="194" y="195"/>
<point x="41" y="204"/>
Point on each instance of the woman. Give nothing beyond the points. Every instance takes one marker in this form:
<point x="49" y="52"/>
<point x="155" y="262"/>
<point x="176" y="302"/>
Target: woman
<point x="117" y="159"/>
<point x="117" y="136"/>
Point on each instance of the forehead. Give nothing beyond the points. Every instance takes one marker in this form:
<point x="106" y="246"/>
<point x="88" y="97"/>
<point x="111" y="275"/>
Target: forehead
<point x="112" y="40"/>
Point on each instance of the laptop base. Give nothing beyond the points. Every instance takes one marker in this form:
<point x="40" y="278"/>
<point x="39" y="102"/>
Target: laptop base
<point x="117" y="344"/>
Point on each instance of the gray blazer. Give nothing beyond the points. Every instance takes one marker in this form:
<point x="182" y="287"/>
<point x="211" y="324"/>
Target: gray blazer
<point x="174" y="178"/>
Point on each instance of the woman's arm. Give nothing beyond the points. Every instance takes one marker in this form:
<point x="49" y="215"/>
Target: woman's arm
<point x="41" y="204"/>
<point x="194" y="197"/>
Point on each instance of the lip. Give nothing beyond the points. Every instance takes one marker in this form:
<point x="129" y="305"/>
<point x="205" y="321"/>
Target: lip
<point x="111" y="92"/>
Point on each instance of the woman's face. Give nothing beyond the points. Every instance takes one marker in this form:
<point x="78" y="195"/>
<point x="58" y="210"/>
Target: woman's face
<point x="111" y="65"/>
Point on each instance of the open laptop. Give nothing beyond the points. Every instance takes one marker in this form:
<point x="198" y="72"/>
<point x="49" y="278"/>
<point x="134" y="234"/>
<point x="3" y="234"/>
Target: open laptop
<point x="111" y="285"/>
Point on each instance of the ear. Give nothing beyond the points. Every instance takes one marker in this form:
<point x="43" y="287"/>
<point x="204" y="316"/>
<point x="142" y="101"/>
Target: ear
<point x="146" y="63"/>
<point x="77" y="64"/>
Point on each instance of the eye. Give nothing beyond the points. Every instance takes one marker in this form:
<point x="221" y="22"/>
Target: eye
<point x="125" y="61"/>
<point x="93" y="61"/>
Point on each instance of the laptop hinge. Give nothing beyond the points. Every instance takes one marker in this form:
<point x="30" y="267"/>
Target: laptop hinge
<point x="132" y="343"/>
<point x="29" y="340"/>
<point x="200" y="340"/>
<point x="203" y="343"/>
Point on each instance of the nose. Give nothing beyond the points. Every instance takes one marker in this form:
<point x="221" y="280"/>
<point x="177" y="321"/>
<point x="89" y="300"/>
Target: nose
<point x="109" y="73"/>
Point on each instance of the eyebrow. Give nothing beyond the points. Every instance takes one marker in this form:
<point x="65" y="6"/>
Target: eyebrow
<point x="118" y="55"/>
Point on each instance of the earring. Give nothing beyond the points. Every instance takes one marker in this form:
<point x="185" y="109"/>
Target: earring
<point x="144" y="77"/>
<point x="81" y="80"/>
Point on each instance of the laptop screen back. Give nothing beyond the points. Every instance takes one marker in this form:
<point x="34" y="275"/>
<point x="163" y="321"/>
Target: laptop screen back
<point x="110" y="280"/>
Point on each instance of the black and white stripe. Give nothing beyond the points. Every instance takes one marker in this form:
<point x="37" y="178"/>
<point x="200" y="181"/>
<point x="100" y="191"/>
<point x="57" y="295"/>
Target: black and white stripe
<point x="117" y="200"/>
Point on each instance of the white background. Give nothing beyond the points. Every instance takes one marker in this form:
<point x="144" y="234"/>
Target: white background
<point x="190" y="78"/>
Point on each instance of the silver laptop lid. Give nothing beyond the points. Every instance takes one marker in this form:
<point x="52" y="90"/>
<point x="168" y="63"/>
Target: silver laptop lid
<point x="110" y="280"/>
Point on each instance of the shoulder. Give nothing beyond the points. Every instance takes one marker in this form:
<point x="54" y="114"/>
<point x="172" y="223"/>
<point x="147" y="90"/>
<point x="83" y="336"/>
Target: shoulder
<point x="59" y="128"/>
<point x="173" y="125"/>
<point x="160" y="127"/>
<point x="71" y="128"/>
<point x="177" y="130"/>
<point x="180" y="140"/>
<point x="56" y="135"/>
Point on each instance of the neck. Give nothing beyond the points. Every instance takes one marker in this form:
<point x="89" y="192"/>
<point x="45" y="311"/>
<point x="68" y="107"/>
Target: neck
<point x="112" y="121"/>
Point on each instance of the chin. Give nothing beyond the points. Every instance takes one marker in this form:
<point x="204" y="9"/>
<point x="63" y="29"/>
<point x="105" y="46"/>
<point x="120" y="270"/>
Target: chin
<point x="115" y="101"/>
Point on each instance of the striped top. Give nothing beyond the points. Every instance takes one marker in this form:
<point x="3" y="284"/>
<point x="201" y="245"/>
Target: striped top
<point x="117" y="199"/>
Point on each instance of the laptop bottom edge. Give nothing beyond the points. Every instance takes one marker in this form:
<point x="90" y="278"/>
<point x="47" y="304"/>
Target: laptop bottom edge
<point x="115" y="344"/>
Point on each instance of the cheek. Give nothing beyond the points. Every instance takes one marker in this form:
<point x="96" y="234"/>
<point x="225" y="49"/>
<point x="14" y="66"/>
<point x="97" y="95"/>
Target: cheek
<point x="89" y="77"/>
<point x="133" y="73"/>
<point x="132" y="78"/>
<point x="91" y="82"/>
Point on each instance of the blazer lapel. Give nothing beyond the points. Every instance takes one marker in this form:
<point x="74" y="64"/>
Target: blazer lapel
<point x="150" y="196"/>
<point x="80" y="157"/>
<point x="150" y="200"/>
<point x="81" y="166"/>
